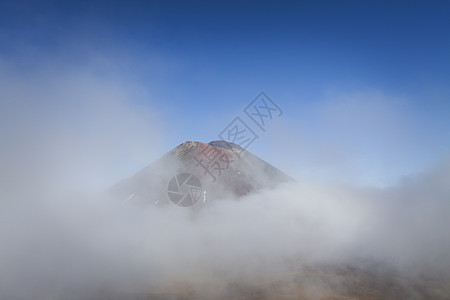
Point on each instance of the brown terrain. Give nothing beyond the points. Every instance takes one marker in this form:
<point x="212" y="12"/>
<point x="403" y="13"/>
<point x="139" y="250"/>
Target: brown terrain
<point x="224" y="169"/>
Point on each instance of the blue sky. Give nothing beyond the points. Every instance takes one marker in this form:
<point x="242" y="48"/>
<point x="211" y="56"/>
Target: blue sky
<point x="364" y="86"/>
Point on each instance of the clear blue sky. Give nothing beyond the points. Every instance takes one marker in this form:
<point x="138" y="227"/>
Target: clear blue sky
<point x="363" y="85"/>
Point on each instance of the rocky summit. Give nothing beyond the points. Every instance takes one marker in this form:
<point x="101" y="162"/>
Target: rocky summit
<point x="194" y="173"/>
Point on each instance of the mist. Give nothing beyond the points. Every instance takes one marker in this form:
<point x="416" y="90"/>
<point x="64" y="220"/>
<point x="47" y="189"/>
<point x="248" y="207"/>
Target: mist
<point x="54" y="246"/>
<point x="69" y="135"/>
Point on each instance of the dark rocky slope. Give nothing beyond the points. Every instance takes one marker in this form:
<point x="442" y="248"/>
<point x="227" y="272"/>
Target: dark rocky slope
<point x="223" y="169"/>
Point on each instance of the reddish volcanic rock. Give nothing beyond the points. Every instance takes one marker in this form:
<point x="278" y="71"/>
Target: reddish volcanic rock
<point x="223" y="169"/>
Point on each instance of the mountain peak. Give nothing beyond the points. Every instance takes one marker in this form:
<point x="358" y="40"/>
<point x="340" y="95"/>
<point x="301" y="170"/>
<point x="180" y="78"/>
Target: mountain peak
<point x="222" y="169"/>
<point x="187" y="145"/>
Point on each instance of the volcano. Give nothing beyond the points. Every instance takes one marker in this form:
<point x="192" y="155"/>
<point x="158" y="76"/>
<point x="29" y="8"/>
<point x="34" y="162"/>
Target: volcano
<point x="194" y="173"/>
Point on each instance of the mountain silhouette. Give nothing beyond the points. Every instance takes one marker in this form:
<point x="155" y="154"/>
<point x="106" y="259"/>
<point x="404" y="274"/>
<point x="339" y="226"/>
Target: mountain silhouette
<point x="194" y="172"/>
